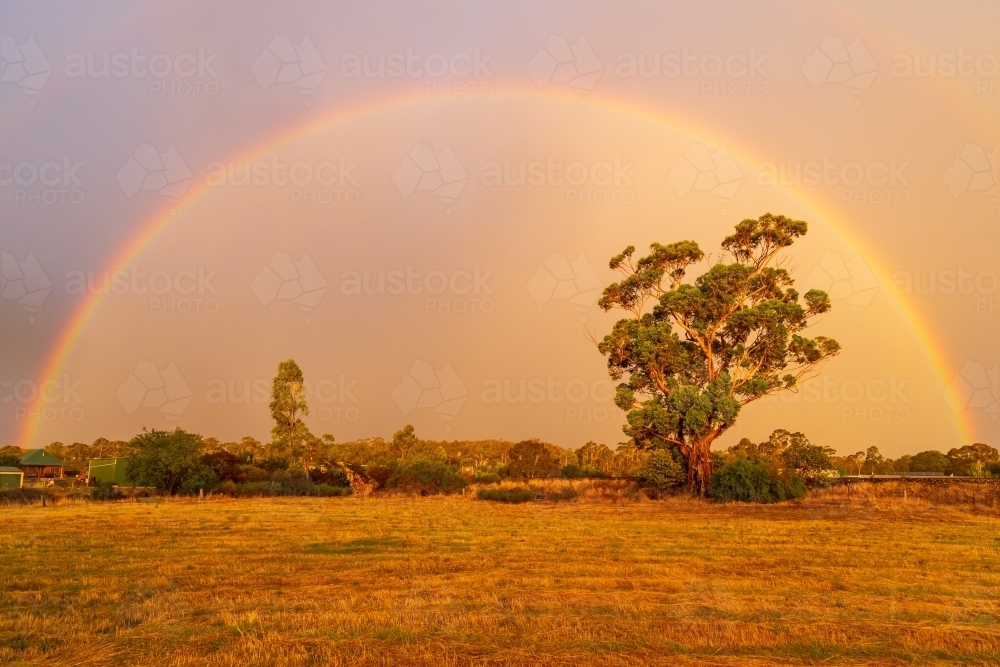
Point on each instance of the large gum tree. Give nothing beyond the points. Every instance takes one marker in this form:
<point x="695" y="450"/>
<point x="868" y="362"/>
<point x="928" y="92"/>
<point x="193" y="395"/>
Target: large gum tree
<point x="692" y="354"/>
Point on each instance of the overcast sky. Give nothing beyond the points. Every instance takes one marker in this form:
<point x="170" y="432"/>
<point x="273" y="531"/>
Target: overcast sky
<point x="418" y="205"/>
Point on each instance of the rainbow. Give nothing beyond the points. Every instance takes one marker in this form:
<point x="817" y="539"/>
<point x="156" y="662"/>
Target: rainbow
<point x="154" y="226"/>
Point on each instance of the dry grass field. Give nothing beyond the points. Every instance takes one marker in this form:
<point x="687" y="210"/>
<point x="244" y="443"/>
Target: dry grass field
<point x="456" y="581"/>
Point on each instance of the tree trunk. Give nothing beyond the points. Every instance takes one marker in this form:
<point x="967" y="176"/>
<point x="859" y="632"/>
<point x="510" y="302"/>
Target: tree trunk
<point x="699" y="466"/>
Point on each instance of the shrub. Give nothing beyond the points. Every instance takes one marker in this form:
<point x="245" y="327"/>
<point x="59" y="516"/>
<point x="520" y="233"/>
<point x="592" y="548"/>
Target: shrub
<point x="486" y="478"/>
<point x="565" y="493"/>
<point x="326" y="490"/>
<point x="576" y="471"/>
<point x="531" y="458"/>
<point x="426" y="476"/>
<point x="104" y="491"/>
<point x="379" y="474"/>
<point x="661" y="471"/>
<point x="516" y="495"/>
<point x="751" y="481"/>
<point x="330" y="477"/>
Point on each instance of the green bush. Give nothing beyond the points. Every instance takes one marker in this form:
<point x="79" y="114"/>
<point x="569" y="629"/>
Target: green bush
<point x="326" y="490"/>
<point x="575" y="471"/>
<point x="516" y="495"/>
<point x="750" y="481"/>
<point x="661" y="471"/>
<point x="105" y="491"/>
<point x="486" y="478"/>
<point x="426" y="477"/>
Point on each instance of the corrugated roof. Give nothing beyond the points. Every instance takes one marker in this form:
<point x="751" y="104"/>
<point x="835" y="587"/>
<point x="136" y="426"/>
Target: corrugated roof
<point x="9" y="469"/>
<point x="39" y="457"/>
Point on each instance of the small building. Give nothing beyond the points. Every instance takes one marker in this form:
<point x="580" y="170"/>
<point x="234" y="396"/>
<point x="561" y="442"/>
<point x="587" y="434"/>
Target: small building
<point x="10" y="478"/>
<point x="39" y="463"/>
<point x="108" y="470"/>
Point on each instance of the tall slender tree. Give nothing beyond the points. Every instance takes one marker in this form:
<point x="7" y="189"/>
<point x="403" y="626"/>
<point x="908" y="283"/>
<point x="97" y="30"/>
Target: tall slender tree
<point x="692" y="354"/>
<point x="288" y="406"/>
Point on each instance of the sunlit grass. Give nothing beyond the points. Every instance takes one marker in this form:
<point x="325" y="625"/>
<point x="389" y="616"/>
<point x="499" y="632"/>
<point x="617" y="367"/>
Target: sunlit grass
<point x="462" y="581"/>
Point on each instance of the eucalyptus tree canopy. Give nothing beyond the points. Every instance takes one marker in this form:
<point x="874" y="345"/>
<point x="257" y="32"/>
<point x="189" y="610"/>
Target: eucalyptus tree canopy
<point x="692" y="354"/>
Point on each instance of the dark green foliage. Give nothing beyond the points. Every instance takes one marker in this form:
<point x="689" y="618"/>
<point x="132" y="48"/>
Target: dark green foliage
<point x="426" y="477"/>
<point x="749" y="481"/>
<point x="379" y="474"/>
<point x="486" y="478"/>
<point x="972" y="460"/>
<point x="169" y="461"/>
<point x="661" y="471"/>
<point x="10" y="456"/>
<point x="104" y="491"/>
<point x="288" y="404"/>
<point x="226" y="466"/>
<point x="506" y="495"/>
<point x="576" y="471"/>
<point x="692" y="354"/>
<point x="329" y="476"/>
<point x="531" y="458"/>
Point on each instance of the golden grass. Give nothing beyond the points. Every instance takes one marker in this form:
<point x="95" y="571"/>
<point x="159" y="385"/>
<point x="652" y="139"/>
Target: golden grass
<point x="455" y="581"/>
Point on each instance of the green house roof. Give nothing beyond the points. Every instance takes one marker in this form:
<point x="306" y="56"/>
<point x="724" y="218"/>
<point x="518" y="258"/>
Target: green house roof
<point x="4" y="469"/>
<point x="39" y="457"/>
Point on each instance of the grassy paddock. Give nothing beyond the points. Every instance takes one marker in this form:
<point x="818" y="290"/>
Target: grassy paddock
<point x="454" y="581"/>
